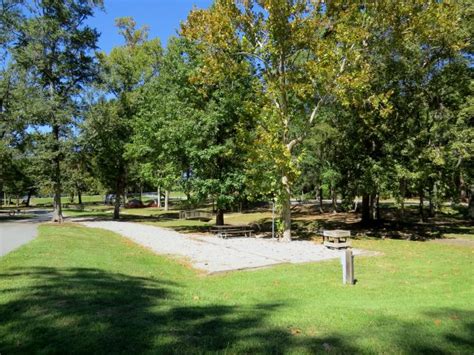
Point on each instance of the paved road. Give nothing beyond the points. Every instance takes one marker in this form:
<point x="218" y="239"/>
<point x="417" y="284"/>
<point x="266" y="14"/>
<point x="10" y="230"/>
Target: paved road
<point x="14" y="234"/>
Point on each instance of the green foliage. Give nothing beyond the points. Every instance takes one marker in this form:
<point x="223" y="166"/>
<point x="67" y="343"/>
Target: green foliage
<point x="163" y="127"/>
<point x="397" y="134"/>
<point x="194" y="133"/>
<point x="303" y="53"/>
<point x="254" y="100"/>
<point x="109" y="124"/>
<point x="53" y="55"/>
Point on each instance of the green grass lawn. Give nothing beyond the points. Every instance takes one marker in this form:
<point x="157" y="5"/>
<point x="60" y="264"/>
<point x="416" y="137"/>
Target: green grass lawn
<point x="95" y="198"/>
<point x="49" y="200"/>
<point x="168" y="219"/>
<point x="462" y="233"/>
<point x="78" y="290"/>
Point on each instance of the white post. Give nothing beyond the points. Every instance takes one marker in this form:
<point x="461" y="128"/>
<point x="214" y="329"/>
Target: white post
<point x="347" y="261"/>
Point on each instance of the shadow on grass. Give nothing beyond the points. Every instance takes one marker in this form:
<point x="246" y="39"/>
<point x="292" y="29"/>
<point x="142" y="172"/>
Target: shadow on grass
<point x="428" y="337"/>
<point x="308" y="222"/>
<point x="307" y="225"/>
<point x="410" y="230"/>
<point x="84" y="310"/>
<point x="81" y="310"/>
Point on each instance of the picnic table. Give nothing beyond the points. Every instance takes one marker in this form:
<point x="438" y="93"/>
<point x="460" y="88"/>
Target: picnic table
<point x="195" y="214"/>
<point x="336" y="239"/>
<point x="226" y="231"/>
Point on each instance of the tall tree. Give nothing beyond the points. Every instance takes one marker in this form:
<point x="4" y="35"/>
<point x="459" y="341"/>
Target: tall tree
<point x="413" y="43"/>
<point x="304" y="53"/>
<point x="124" y="71"/>
<point x="163" y="127"/>
<point x="54" y="47"/>
<point x="174" y="108"/>
<point x="11" y="17"/>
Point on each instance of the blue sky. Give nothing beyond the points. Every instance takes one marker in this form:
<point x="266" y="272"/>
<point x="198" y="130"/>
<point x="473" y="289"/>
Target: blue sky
<point x="162" y="16"/>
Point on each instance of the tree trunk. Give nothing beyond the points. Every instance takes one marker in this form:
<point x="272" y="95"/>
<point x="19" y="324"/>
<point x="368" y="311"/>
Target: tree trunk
<point x="366" y="215"/>
<point x="79" y="196"/>
<point x="186" y="186"/>
<point x="471" y="202"/>
<point x="318" y="198"/>
<point x="286" y="210"/>
<point x="374" y="207"/>
<point x="372" y="199"/>
<point x="158" y="199"/>
<point x="119" y="191"/>
<point x="377" y="207"/>
<point x="420" y="207"/>
<point x="402" y="199"/>
<point x="167" y="198"/>
<point x="17" y="201"/>
<point x="71" y="197"/>
<point x="117" y="205"/>
<point x="356" y="204"/>
<point x="462" y="189"/>
<point x="141" y="193"/>
<point x="321" y="202"/>
<point x="57" y="208"/>
<point x="431" y="203"/>
<point x="219" y="217"/>
<point x="334" y="199"/>
<point x="28" y="198"/>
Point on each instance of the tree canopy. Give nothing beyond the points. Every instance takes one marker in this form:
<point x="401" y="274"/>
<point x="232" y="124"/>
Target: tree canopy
<point x="252" y="100"/>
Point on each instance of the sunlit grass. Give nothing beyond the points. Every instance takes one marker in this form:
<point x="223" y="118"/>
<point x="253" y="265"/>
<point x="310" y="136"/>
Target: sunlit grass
<point x="110" y="295"/>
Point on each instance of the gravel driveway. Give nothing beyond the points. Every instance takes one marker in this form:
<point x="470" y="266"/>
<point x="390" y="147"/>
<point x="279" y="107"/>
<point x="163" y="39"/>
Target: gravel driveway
<point x="213" y="254"/>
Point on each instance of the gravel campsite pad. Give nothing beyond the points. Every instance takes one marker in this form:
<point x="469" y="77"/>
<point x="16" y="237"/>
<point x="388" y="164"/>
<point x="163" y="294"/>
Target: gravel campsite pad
<point x="214" y="254"/>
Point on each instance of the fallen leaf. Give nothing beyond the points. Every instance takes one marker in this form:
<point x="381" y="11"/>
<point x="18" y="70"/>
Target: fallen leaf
<point x="295" y="331"/>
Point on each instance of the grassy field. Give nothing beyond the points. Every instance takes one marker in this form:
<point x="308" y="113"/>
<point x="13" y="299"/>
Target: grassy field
<point x="35" y="201"/>
<point x="168" y="219"/>
<point x="77" y="290"/>
<point x="87" y="199"/>
<point x="306" y="222"/>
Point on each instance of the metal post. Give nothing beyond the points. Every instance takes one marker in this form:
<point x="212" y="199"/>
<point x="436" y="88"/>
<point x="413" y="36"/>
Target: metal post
<point x="347" y="261"/>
